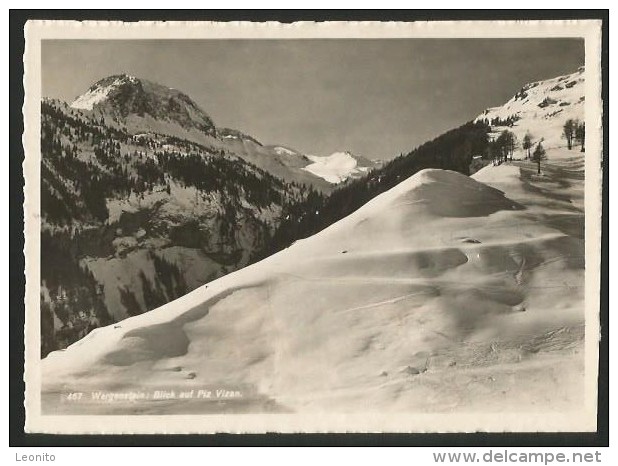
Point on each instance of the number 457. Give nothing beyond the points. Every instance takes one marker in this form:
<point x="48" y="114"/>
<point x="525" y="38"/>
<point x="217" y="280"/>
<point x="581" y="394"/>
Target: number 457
<point x="74" y="396"/>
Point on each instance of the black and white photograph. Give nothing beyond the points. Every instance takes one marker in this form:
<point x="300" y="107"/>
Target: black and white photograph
<point x="312" y="228"/>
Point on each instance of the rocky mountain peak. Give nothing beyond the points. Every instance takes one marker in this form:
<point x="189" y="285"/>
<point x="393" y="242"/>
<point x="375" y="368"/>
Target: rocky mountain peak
<point x="125" y="96"/>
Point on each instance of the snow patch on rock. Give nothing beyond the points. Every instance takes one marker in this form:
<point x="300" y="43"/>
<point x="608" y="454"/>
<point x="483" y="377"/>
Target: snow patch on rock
<point x="98" y="94"/>
<point x="284" y="151"/>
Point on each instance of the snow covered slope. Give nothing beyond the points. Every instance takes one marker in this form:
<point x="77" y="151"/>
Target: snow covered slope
<point x="444" y="294"/>
<point x="541" y="108"/>
<point x="339" y="166"/>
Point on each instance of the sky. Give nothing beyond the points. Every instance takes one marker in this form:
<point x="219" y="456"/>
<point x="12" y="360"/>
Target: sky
<point x="374" y="97"/>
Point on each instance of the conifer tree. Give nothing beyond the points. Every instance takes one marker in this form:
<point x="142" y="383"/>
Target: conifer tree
<point x="527" y="144"/>
<point x="568" y="130"/>
<point x="580" y="135"/>
<point x="538" y="155"/>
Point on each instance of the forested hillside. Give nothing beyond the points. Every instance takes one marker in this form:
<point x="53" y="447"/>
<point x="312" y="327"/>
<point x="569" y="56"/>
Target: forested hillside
<point x="130" y="222"/>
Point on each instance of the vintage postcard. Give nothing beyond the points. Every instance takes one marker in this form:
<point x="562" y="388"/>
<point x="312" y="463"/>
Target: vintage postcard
<point x="312" y="227"/>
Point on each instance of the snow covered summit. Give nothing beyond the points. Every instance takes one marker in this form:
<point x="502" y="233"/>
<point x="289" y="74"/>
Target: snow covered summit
<point x="140" y="105"/>
<point x="100" y="91"/>
<point x="339" y="166"/>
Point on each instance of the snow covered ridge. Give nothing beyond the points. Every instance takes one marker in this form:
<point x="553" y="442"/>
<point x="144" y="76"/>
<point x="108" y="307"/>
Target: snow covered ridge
<point x="539" y="97"/>
<point x="338" y="166"/>
<point x="541" y="108"/>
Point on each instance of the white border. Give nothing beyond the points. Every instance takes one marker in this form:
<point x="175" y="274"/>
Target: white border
<point x="584" y="420"/>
